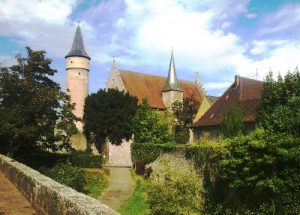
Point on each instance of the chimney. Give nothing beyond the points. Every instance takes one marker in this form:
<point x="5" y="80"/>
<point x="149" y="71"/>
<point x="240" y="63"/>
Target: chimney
<point x="236" y="81"/>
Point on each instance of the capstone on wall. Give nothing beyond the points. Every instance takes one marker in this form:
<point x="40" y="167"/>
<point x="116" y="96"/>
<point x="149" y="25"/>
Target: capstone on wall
<point x="46" y="195"/>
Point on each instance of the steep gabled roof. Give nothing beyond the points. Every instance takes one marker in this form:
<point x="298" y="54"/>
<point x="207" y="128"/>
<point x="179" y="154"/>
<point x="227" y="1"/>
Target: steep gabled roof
<point x="244" y="93"/>
<point x="148" y="86"/>
<point x="78" y="46"/>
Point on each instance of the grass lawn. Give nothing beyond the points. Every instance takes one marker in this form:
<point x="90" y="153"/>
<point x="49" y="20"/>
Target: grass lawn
<point x="137" y="204"/>
<point x="96" y="181"/>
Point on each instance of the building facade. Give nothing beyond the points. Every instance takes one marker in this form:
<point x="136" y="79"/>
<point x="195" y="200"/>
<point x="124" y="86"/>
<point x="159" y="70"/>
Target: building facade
<point x="244" y="94"/>
<point x="160" y="92"/>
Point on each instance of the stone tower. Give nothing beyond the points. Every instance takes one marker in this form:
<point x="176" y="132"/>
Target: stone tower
<point x="78" y="67"/>
<point x="172" y="91"/>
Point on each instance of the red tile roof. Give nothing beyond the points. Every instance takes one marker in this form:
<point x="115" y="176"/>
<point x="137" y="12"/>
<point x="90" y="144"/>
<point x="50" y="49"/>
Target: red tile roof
<point x="244" y="92"/>
<point x="148" y="86"/>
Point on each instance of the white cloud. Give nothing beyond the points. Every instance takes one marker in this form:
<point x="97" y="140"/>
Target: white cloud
<point x="250" y="15"/>
<point x="54" y="11"/>
<point x="159" y="26"/>
<point x="216" y="85"/>
<point x="7" y="61"/>
<point x="285" y="20"/>
<point x="199" y="45"/>
<point x="142" y="33"/>
<point x="39" y="24"/>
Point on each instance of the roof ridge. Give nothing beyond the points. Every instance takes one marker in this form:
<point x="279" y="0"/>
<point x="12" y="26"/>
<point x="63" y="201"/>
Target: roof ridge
<point x="159" y="76"/>
<point x="251" y="79"/>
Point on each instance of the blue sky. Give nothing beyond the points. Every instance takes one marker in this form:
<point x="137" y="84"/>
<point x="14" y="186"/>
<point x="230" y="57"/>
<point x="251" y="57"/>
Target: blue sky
<point x="216" y="38"/>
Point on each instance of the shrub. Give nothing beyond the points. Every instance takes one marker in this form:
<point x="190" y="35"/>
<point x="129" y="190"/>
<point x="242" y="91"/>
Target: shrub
<point x="256" y="173"/>
<point x="38" y="158"/>
<point x="181" y="136"/>
<point x="97" y="181"/>
<point x="86" y="160"/>
<point x="174" y="191"/>
<point x="68" y="175"/>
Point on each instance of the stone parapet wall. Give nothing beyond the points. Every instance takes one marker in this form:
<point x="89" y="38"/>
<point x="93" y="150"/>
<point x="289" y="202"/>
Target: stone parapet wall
<point x="46" y="195"/>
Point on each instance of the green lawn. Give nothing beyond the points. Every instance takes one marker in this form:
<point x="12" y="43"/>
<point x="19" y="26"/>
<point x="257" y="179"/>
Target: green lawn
<point x="96" y="182"/>
<point x="137" y="204"/>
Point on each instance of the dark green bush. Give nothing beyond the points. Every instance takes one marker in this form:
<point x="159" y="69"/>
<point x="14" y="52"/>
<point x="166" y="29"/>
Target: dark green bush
<point x="86" y="160"/>
<point x="68" y="175"/>
<point x="181" y="136"/>
<point x="145" y="152"/>
<point x="38" y="158"/>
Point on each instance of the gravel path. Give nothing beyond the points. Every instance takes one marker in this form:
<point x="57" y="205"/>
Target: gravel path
<point x="120" y="187"/>
<point x="12" y="202"/>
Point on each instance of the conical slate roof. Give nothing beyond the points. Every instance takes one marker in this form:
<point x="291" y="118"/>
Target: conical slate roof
<point x="78" y="46"/>
<point x="172" y="82"/>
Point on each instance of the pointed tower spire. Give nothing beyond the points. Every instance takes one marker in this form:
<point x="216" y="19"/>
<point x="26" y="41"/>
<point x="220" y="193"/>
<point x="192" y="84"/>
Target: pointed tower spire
<point x="172" y="82"/>
<point x="78" y="49"/>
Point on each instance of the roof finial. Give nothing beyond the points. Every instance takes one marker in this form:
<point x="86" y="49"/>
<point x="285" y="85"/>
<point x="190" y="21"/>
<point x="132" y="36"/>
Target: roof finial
<point x="256" y="74"/>
<point x="197" y="78"/>
<point x="114" y="64"/>
<point x="78" y="22"/>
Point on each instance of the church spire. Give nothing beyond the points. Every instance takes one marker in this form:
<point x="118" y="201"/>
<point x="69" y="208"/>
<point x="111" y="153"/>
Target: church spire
<point x="172" y="82"/>
<point x="78" y="49"/>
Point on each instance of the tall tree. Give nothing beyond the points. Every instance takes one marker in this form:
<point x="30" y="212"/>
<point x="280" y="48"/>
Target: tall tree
<point x="150" y="128"/>
<point x="31" y="106"/>
<point x="280" y="102"/>
<point x="108" y="115"/>
<point x="232" y="123"/>
<point x="184" y="113"/>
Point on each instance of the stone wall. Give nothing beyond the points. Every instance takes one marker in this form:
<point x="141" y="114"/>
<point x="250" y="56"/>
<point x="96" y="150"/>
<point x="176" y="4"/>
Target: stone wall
<point x="48" y="196"/>
<point x="175" y="158"/>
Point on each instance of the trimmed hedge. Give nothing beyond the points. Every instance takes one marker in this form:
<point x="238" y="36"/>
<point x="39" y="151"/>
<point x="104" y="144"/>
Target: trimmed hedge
<point x="86" y="160"/>
<point x="40" y="159"/>
<point x="68" y="175"/>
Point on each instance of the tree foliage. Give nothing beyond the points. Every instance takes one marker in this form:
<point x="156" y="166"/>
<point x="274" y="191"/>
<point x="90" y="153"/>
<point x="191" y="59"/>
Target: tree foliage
<point x="150" y="128"/>
<point x="259" y="172"/>
<point x="175" y="190"/>
<point x="280" y="102"/>
<point x="185" y="111"/>
<point x="266" y="165"/>
<point x="109" y="115"/>
<point x="34" y="112"/>
<point x="184" y="114"/>
<point x="232" y="123"/>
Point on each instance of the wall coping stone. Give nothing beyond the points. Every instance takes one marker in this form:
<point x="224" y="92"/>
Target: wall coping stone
<point x="48" y="196"/>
